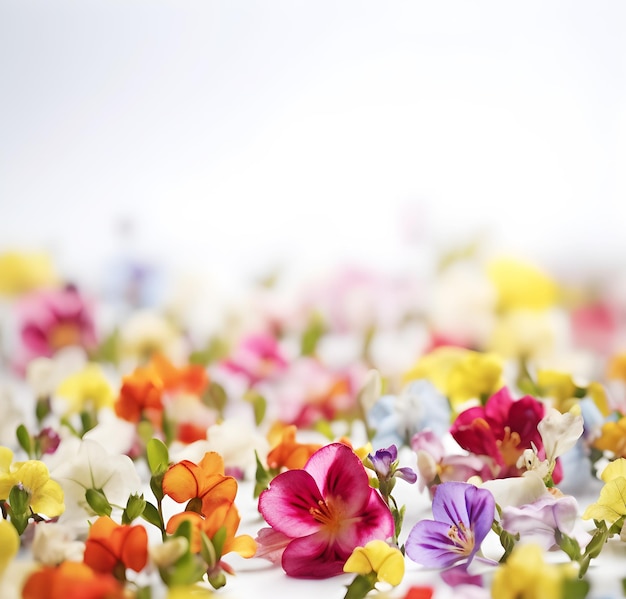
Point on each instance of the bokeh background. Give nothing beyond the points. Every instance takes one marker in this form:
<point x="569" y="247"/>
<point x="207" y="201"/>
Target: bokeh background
<point x="232" y="138"/>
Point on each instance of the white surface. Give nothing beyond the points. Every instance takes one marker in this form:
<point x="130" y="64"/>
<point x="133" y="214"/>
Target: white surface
<point x="240" y="134"/>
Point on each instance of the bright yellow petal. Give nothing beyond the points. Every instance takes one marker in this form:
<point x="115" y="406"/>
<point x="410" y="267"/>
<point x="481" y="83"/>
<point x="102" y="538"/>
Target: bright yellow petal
<point x="598" y="394"/>
<point x="6" y="457"/>
<point x="48" y="500"/>
<point x="615" y="469"/>
<point x="436" y="366"/>
<point x="611" y="504"/>
<point x="9" y="544"/>
<point x="358" y="562"/>
<point x="392" y="569"/>
<point x="244" y="545"/>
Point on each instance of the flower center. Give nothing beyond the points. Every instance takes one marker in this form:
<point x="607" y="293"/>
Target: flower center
<point x="63" y="335"/>
<point x="509" y="446"/>
<point x="325" y="515"/>
<point x="462" y="537"/>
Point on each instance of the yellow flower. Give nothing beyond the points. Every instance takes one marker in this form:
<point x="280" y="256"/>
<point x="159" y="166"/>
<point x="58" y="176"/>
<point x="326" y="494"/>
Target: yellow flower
<point x="525" y="575"/>
<point x="460" y="374"/>
<point x="22" y="272"/>
<point x="521" y="285"/>
<point x="617" y="367"/>
<point x="613" y="437"/>
<point x="377" y="557"/>
<point x="561" y="388"/>
<point x="86" y="390"/>
<point x="611" y="504"/>
<point x="523" y="333"/>
<point x="45" y="495"/>
<point x="9" y="544"/>
<point x="189" y="592"/>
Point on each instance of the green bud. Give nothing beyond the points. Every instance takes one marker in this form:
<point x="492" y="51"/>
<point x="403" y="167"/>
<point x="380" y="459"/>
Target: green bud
<point x="98" y="502"/>
<point x="19" y="500"/>
<point x="134" y="508"/>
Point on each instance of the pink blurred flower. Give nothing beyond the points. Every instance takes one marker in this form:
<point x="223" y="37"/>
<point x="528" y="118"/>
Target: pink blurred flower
<point x="54" y="319"/>
<point x="257" y="358"/>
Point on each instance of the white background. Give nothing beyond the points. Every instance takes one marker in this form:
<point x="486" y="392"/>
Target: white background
<point x="236" y="135"/>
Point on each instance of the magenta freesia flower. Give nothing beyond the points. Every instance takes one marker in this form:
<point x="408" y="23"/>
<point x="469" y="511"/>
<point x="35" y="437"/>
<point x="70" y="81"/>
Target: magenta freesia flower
<point x="463" y="515"/>
<point x="326" y="510"/>
<point x="501" y="430"/>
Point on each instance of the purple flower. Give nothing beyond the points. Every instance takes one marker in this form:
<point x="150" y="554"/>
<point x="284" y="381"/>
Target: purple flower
<point x="385" y="463"/>
<point x="463" y="515"/>
<point x="539" y="521"/>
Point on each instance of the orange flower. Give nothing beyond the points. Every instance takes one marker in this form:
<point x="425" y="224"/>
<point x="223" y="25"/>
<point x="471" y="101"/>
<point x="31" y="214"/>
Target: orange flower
<point x="226" y="516"/>
<point x="112" y="548"/>
<point x="289" y="453"/>
<point x="205" y="482"/>
<point x="613" y="437"/>
<point x="71" y="580"/>
<point x="143" y="390"/>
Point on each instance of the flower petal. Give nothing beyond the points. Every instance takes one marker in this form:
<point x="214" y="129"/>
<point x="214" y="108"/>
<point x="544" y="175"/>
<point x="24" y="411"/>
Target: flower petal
<point x="428" y="544"/>
<point x="449" y="503"/>
<point x="339" y="473"/>
<point x="286" y="504"/>
<point x="182" y="481"/>
<point x="482" y="508"/>
<point x="313" y="557"/>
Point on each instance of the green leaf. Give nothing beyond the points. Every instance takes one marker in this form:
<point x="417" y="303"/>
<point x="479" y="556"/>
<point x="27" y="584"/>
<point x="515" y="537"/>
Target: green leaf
<point x="108" y="351"/>
<point x="98" y="502"/>
<point x="143" y="593"/>
<point x="568" y="545"/>
<point x="158" y="456"/>
<point x="216" y="349"/>
<point x="215" y="397"/>
<point x="24" y="439"/>
<point x="259" y="405"/>
<point x="156" y="486"/>
<point x="311" y="336"/>
<point x="188" y="569"/>
<point x="262" y="477"/>
<point x="151" y="515"/>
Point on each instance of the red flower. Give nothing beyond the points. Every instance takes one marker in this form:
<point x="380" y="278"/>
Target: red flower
<point x="501" y="430"/>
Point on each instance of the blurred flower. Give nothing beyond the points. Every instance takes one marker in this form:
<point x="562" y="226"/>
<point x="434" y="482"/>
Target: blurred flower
<point x="87" y="390"/>
<point x="44" y="375"/>
<point x="560" y="432"/>
<point x="460" y="374"/>
<point x="521" y="285"/>
<point x="436" y="467"/>
<point x="289" y="453"/>
<point x="501" y="430"/>
<point x="613" y="437"/>
<point x="258" y="357"/>
<point x="463" y="515"/>
<point x="327" y="509"/>
<point x="45" y="496"/>
<point x="526" y="334"/>
<point x="525" y="575"/>
<point x="539" y="522"/>
<point x="9" y="544"/>
<point x="71" y="580"/>
<point x="21" y="272"/>
<point x="55" y="543"/>
<point x="396" y="418"/>
<point x="54" y="319"/>
<point x="147" y="332"/>
<point x="378" y="558"/>
<point x="113" y="548"/>
<point x="565" y="393"/>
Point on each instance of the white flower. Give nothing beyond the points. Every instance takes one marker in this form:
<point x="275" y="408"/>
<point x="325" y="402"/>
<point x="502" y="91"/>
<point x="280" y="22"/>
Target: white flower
<point x="80" y="465"/>
<point x="559" y="432"/>
<point x="518" y="490"/>
<point x="55" y="543"/>
<point x="45" y="374"/>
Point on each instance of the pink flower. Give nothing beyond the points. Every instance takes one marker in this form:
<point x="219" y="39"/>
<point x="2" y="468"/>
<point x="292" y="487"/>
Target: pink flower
<point x="257" y="358"/>
<point x="502" y="430"/>
<point x="326" y="510"/>
<point x="56" y="318"/>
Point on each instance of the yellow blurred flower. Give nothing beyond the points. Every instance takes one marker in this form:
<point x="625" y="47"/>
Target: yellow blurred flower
<point x="613" y="437"/>
<point x="379" y="558"/>
<point x="617" y="367"/>
<point x="611" y="504"/>
<point x="191" y="591"/>
<point x="9" y="544"/>
<point x="521" y="285"/>
<point x="23" y="272"/>
<point x="45" y="494"/>
<point x="86" y="390"/>
<point x="460" y="374"/>
<point x="523" y="333"/>
<point x="525" y="575"/>
<point x="565" y="393"/>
